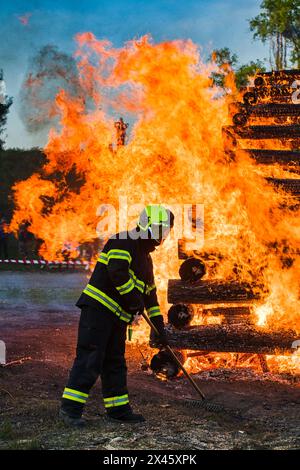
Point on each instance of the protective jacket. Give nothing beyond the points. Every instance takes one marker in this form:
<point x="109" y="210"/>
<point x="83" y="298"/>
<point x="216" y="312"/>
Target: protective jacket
<point x="123" y="280"/>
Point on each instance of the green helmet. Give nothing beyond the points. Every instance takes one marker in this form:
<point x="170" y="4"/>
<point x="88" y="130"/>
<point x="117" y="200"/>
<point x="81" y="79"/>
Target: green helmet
<point x="157" y="220"/>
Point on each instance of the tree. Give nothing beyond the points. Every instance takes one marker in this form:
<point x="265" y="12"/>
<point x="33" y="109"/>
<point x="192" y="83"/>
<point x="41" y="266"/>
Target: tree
<point x="244" y="72"/>
<point x="5" y="104"/>
<point x="224" y="56"/>
<point x="279" y="23"/>
<point x="227" y="61"/>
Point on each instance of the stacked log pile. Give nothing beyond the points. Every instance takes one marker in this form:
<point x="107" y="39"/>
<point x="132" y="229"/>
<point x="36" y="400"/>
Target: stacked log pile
<point x="268" y="111"/>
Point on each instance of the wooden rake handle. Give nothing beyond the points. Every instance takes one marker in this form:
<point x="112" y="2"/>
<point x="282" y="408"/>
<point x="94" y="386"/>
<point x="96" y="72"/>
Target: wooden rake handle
<point x="175" y="358"/>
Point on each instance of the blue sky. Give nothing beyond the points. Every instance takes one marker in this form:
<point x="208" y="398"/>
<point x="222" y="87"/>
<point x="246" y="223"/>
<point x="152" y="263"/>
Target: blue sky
<point x="209" y="23"/>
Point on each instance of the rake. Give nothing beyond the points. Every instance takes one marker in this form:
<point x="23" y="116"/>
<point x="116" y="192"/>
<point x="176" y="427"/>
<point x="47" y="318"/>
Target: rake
<point x="204" y="402"/>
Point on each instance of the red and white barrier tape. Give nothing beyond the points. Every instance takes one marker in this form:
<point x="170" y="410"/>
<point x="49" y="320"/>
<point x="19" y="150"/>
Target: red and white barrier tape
<point x="44" y="262"/>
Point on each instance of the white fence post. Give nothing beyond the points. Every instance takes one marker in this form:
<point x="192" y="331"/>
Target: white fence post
<point x="2" y="353"/>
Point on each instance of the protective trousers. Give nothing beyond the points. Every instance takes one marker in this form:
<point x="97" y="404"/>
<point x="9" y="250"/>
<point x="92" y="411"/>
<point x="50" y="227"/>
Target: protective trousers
<point x="100" y="352"/>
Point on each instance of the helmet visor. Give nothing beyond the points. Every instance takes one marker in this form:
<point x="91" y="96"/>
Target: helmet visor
<point x="159" y="231"/>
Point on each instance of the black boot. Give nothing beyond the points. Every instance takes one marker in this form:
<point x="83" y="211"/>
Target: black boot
<point x="69" y="420"/>
<point x="129" y="418"/>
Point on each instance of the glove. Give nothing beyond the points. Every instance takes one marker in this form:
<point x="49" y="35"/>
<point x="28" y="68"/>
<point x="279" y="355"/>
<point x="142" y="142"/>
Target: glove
<point x="134" y="302"/>
<point x="136" y="310"/>
<point x="160" y="340"/>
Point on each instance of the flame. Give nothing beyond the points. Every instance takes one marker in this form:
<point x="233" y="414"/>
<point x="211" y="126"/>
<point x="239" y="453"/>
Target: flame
<point x="276" y="364"/>
<point x="174" y="155"/>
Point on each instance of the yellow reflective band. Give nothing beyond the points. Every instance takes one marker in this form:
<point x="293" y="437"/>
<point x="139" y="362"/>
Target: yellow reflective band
<point x="149" y="288"/>
<point x="101" y="295"/>
<point x="125" y="316"/>
<point x="116" y="401"/>
<point x="75" y="395"/>
<point x="103" y="258"/>
<point x="154" y="311"/>
<point x="125" y="288"/>
<point x="119" y="254"/>
<point x="140" y="285"/>
<point x="108" y="302"/>
<point x="129" y="332"/>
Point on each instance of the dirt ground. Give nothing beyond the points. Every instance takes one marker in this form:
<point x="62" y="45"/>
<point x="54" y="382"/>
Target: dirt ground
<point x="260" y="414"/>
<point x="38" y="322"/>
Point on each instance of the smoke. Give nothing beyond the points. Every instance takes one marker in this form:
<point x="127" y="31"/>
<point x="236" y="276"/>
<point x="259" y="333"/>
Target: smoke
<point x="49" y="72"/>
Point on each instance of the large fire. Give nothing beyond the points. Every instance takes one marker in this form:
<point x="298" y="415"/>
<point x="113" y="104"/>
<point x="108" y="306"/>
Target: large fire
<point x="174" y="156"/>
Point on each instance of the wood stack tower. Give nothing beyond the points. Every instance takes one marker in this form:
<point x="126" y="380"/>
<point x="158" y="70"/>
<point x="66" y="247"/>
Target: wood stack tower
<point x="268" y="110"/>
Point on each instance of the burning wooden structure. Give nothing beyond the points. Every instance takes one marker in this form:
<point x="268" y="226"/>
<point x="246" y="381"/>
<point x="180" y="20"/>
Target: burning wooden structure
<point x="267" y="111"/>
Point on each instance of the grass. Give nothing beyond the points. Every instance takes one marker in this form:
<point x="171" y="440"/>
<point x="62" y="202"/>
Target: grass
<point x="25" y="444"/>
<point x="7" y="431"/>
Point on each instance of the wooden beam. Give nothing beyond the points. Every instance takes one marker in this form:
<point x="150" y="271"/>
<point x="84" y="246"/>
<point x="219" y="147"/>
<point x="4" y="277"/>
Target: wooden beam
<point x="265" y="109"/>
<point x="263" y="132"/>
<point x="277" y="76"/>
<point x="274" y="93"/>
<point x="290" y="185"/>
<point x="227" y="311"/>
<point x="269" y="157"/>
<point x="230" y="315"/>
<point x="232" y="338"/>
<point x="211" y="292"/>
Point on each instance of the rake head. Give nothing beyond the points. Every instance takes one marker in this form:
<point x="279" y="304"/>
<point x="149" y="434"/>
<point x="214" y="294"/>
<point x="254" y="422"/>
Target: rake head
<point x="209" y="406"/>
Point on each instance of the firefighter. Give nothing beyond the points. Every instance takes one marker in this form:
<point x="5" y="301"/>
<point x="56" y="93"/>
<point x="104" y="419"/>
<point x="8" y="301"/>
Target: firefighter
<point x="121" y="286"/>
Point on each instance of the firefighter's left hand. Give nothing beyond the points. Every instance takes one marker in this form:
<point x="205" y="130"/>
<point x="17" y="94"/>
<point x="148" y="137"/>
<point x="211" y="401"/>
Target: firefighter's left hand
<point x="159" y="340"/>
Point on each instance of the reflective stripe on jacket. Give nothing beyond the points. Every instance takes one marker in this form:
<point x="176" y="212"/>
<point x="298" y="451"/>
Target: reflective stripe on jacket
<point x="123" y="276"/>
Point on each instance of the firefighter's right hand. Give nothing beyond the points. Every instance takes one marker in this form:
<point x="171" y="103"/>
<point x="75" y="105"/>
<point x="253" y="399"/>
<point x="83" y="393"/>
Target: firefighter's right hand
<point x="134" y="302"/>
<point x="137" y="307"/>
<point x="136" y="311"/>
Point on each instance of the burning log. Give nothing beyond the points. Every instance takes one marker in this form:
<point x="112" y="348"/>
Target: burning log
<point x="240" y="119"/>
<point x="181" y="315"/>
<point x="265" y="110"/>
<point x="276" y="93"/>
<point x="232" y="338"/>
<point x="227" y="311"/>
<point x="289" y="185"/>
<point x="164" y="366"/>
<point x="274" y="109"/>
<point x="231" y="315"/>
<point x="277" y="76"/>
<point x="264" y="132"/>
<point x="269" y="157"/>
<point x="211" y="292"/>
<point x="192" y="270"/>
